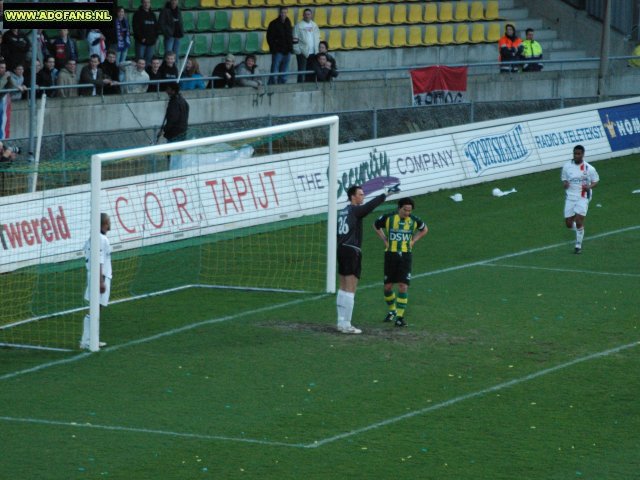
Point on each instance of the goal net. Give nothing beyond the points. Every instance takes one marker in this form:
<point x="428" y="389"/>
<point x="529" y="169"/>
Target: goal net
<point x="250" y="210"/>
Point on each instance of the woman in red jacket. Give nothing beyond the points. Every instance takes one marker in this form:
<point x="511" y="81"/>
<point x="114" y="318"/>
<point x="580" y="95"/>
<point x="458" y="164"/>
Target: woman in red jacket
<point x="510" y="49"/>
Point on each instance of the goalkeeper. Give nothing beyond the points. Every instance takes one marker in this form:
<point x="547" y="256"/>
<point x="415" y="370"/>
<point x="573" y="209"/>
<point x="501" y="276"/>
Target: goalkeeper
<point x="350" y="250"/>
<point x="399" y="231"/>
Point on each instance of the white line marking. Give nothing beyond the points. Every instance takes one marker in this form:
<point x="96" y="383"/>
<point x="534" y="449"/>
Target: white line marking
<point x="461" y="398"/>
<point x="568" y="270"/>
<point x="149" y="430"/>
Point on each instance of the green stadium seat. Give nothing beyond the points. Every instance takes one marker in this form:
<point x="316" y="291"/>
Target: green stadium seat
<point x="158" y="4"/>
<point x="221" y="21"/>
<point x="188" y="21"/>
<point x="184" y="46"/>
<point x="190" y="4"/>
<point x="218" y="44"/>
<point x="83" y="50"/>
<point x="253" y="42"/>
<point x="201" y="45"/>
<point x="204" y="21"/>
<point x="235" y="43"/>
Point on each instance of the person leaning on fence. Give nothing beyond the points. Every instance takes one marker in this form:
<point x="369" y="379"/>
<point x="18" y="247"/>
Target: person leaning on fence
<point x="510" y="49"/>
<point x="18" y="81"/>
<point x="322" y="69"/>
<point x="635" y="62"/>
<point x="531" y="51"/>
<point x="93" y="74"/>
<point x="225" y="73"/>
<point x="67" y="76"/>
<point x="135" y="72"/>
<point x="323" y="47"/>
<point x="192" y="77"/>
<point x="249" y="67"/>
<point x="153" y="70"/>
<point x="5" y="78"/>
<point x="47" y="77"/>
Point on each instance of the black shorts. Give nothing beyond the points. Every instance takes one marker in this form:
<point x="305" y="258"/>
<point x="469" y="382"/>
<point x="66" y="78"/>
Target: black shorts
<point x="349" y="261"/>
<point x="397" y="267"/>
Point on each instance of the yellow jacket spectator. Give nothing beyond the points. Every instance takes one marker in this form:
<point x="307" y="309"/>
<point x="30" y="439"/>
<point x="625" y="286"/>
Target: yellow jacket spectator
<point x="531" y="50"/>
<point x="635" y="62"/>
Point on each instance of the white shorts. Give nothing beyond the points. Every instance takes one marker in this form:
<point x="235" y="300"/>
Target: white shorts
<point x="104" y="297"/>
<point x="576" y="207"/>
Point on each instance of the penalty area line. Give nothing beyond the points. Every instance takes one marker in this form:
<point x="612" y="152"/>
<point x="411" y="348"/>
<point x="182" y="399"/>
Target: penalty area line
<point x="563" y="270"/>
<point x="468" y="396"/>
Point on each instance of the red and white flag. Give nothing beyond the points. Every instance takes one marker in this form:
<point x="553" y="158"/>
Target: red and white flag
<point x="437" y="85"/>
<point x="5" y="117"/>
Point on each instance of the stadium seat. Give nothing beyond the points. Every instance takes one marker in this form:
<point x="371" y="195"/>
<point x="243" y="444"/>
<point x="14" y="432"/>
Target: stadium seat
<point x="492" y="11"/>
<point x="322" y="2"/>
<point x="415" y="36"/>
<point x="367" y="39"/>
<point x="184" y="46"/>
<point x="254" y="19"/>
<point x="252" y="44"/>
<point x="83" y="50"/>
<point x="274" y="3"/>
<point x="430" y="13"/>
<point x="415" y="13"/>
<point x="200" y="45"/>
<point x="352" y="17"/>
<point x="188" y="22"/>
<point x="157" y="4"/>
<point x="446" y="34"/>
<point x="399" y="14"/>
<point x="218" y="44"/>
<point x="335" y="40"/>
<point x="240" y="3"/>
<point x="477" y="11"/>
<point x="319" y="16"/>
<point x="223" y="3"/>
<point x="368" y="15"/>
<point x="399" y="37"/>
<point x="305" y="3"/>
<point x="494" y="32"/>
<point x="351" y="39"/>
<point x="336" y="17"/>
<point x="257" y="3"/>
<point x="204" y="21"/>
<point x="477" y="33"/>
<point x="221" y="21"/>
<point x="462" y="12"/>
<point x="269" y="14"/>
<point x="431" y="35"/>
<point x="446" y="12"/>
<point x="383" y="38"/>
<point x="462" y="34"/>
<point x="264" y="48"/>
<point x="160" y="46"/>
<point x="237" y="20"/>
<point x="288" y="3"/>
<point x="207" y="4"/>
<point x="384" y="15"/>
<point x="235" y="43"/>
<point x="190" y="4"/>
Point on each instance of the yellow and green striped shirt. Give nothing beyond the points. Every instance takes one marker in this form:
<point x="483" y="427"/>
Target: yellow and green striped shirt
<point x="399" y="231"/>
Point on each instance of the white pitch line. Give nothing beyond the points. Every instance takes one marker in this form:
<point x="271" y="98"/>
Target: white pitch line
<point x="567" y="270"/>
<point x="117" y="428"/>
<point x="462" y="398"/>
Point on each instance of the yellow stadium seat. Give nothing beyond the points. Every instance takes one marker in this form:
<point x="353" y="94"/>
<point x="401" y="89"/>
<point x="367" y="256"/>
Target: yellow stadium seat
<point x="415" y="36"/>
<point x="336" y="17"/>
<point x="265" y="45"/>
<point x="305" y="2"/>
<point x="352" y="17"/>
<point x="368" y="15"/>
<point x="462" y="34"/>
<point x="237" y="20"/>
<point x="274" y="3"/>
<point x="223" y="4"/>
<point x="207" y="3"/>
<point x="254" y="19"/>
<point x="351" y="39"/>
<point x="446" y="34"/>
<point x="288" y="3"/>
<point x="415" y="13"/>
<point x="269" y="14"/>
<point x="322" y="2"/>
<point x="384" y="15"/>
<point x="257" y="3"/>
<point x="399" y="14"/>
<point x="430" y="13"/>
<point x="477" y="33"/>
<point x="462" y="12"/>
<point x="431" y="35"/>
<point x="399" y="37"/>
<point x="446" y="12"/>
<point x="335" y="40"/>
<point x="367" y="38"/>
<point x="319" y="16"/>
<point x="477" y="12"/>
<point x="491" y="12"/>
<point x="240" y="3"/>
<point x="494" y="33"/>
<point x="383" y="39"/>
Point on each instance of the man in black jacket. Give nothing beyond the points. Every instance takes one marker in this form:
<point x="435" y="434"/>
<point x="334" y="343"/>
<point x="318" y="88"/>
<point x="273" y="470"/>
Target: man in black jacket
<point x="280" y="40"/>
<point x="176" y="119"/>
<point x="145" y="31"/>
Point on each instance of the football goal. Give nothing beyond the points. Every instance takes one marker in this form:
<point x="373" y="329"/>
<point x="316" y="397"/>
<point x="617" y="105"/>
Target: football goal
<point x="253" y="210"/>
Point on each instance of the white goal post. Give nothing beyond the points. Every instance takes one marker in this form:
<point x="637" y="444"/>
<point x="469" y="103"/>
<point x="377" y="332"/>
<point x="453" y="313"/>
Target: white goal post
<point x="97" y="192"/>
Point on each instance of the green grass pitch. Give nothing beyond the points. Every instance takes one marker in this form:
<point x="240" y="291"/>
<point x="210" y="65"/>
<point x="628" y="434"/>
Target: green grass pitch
<point x="520" y="361"/>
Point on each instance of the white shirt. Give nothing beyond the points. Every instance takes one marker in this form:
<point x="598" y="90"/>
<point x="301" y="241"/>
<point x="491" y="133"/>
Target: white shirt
<point x="578" y="176"/>
<point x="105" y="255"/>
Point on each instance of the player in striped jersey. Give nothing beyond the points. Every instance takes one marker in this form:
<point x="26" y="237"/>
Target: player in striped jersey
<point x="578" y="178"/>
<point x="399" y="231"/>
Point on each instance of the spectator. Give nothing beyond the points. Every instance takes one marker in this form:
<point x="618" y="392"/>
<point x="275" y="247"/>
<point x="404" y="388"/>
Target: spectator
<point x="42" y="45"/>
<point x="323" y="47"/>
<point x="97" y="44"/>
<point x="145" y="31"/>
<point x="5" y="78"/>
<point x="190" y="76"/>
<point x="226" y="73"/>
<point x="280" y="40"/>
<point x="64" y="48"/>
<point x="168" y="69"/>
<point x="47" y="77"/>
<point x="153" y="71"/>
<point x="531" y="50"/>
<point x="249" y="67"/>
<point x="323" y="70"/>
<point x="111" y="71"/>
<point x="635" y="62"/>
<point x="135" y="72"/>
<point x="306" y="36"/>
<point x="67" y="76"/>
<point x="17" y="79"/>
<point x="15" y="48"/>
<point x="7" y="156"/>
<point x="123" y="36"/>
<point x="510" y="49"/>
<point x="171" y="26"/>
<point x="93" y="74"/>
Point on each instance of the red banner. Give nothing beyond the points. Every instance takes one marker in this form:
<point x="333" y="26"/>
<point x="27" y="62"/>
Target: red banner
<point x="437" y="85"/>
